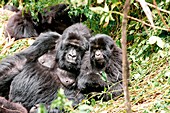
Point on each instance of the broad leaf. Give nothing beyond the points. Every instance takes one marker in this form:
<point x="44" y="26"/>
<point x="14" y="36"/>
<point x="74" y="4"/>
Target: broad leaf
<point x="147" y="11"/>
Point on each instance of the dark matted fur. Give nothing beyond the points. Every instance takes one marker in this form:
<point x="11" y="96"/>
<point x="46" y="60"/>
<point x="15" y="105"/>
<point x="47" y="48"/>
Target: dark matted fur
<point x="13" y="65"/>
<point x="90" y="78"/>
<point x="39" y="84"/>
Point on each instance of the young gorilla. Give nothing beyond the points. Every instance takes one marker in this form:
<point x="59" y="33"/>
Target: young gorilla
<point x="39" y="84"/>
<point x="13" y="65"/>
<point x="105" y="57"/>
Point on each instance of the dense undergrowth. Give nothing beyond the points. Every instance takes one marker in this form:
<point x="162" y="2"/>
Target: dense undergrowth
<point x="148" y="53"/>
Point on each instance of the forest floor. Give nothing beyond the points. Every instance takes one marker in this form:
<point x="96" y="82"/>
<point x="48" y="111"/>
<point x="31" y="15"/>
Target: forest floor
<point x="149" y="91"/>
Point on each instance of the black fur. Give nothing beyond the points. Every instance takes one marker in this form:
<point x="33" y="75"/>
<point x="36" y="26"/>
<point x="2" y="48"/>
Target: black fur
<point x="39" y="84"/>
<point x="21" y="25"/>
<point x="105" y="57"/>
<point x="13" y="65"/>
<point x="11" y="8"/>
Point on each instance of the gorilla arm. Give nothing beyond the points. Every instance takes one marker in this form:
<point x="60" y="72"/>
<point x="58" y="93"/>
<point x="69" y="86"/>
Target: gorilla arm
<point x="12" y="65"/>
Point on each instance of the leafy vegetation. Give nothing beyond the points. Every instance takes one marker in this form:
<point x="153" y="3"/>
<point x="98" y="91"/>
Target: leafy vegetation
<point x="148" y="51"/>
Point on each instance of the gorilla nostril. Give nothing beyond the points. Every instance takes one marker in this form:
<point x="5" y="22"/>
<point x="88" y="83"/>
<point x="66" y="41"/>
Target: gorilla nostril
<point x="97" y="54"/>
<point x="71" y="56"/>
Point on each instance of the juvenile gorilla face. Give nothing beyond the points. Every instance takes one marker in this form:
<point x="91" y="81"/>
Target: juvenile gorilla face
<point x="71" y="50"/>
<point x="100" y="50"/>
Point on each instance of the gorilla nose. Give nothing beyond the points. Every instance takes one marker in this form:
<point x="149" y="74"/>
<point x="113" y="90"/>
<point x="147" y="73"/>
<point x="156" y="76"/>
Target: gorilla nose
<point x="98" y="55"/>
<point x="72" y="56"/>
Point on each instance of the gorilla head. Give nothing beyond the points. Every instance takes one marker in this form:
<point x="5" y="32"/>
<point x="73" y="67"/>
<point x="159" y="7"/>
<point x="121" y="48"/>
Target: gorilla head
<point x="104" y="68"/>
<point x="100" y="50"/>
<point x="71" y="49"/>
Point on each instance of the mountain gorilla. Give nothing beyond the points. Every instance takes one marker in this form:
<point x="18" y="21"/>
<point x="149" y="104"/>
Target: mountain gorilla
<point x="52" y="18"/>
<point x="104" y="69"/>
<point x="21" y="25"/>
<point x="37" y="83"/>
<point x="13" y="65"/>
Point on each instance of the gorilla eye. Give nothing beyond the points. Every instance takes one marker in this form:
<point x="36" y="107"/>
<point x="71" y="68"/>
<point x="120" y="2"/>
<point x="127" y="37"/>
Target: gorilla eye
<point x="111" y="46"/>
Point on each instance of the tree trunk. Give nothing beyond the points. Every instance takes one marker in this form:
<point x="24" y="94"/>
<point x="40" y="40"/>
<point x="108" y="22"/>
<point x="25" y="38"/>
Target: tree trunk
<point x="125" y="65"/>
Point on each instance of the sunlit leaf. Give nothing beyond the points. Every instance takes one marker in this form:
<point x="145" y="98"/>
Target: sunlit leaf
<point x="114" y="5"/>
<point x="152" y="39"/>
<point x="99" y="1"/>
<point x="98" y="10"/>
<point x="79" y="2"/>
<point x="111" y="17"/>
<point x="102" y="19"/>
<point x="160" y="43"/>
<point x="85" y="107"/>
<point x="107" y="19"/>
<point x="105" y="25"/>
<point x="106" y="8"/>
<point x="136" y="76"/>
<point x="157" y="40"/>
<point x="147" y="11"/>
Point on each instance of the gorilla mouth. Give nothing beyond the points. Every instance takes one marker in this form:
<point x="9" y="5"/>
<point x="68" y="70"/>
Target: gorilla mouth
<point x="71" y="61"/>
<point x="100" y="61"/>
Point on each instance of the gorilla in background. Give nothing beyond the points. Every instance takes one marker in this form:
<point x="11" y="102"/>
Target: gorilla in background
<point x="103" y="70"/>
<point x="21" y="25"/>
<point x="13" y="65"/>
<point x="37" y="83"/>
<point x="53" y="18"/>
<point x="11" y="8"/>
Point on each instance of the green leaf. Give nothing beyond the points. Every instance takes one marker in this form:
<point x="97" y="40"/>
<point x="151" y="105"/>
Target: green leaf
<point x="104" y="76"/>
<point x="102" y="19"/>
<point x="42" y="109"/>
<point x="114" y="5"/>
<point x="111" y="17"/>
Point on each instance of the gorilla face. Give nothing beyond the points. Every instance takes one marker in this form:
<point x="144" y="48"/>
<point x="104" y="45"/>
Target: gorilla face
<point x="71" y="50"/>
<point x="100" y="50"/>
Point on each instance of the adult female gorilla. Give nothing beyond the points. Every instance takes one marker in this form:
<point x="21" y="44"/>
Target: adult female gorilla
<point x="39" y="84"/>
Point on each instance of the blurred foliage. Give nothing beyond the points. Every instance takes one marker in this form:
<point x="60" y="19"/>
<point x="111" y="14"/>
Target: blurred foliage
<point x="148" y="51"/>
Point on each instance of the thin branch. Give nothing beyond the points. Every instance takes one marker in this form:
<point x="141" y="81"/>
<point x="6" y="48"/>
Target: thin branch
<point x="143" y="22"/>
<point x="159" y="13"/>
<point x="163" y="10"/>
<point x="125" y="65"/>
<point x="151" y="5"/>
